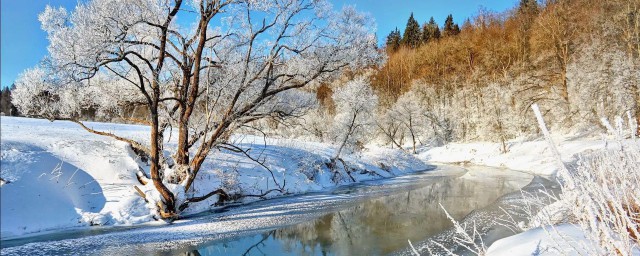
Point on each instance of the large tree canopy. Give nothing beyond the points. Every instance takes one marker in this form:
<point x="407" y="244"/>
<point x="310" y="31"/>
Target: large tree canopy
<point x="229" y="67"/>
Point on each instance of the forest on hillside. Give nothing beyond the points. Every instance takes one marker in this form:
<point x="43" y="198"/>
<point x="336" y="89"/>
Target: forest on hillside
<point x="578" y="59"/>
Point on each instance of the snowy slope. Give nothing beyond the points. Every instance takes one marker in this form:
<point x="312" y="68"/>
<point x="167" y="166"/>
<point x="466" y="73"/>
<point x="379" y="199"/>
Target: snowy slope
<point x="61" y="176"/>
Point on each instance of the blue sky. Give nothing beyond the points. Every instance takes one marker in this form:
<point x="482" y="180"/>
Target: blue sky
<point x="24" y="44"/>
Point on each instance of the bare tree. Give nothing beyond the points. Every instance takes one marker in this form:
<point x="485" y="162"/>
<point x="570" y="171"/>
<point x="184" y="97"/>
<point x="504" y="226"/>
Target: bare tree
<point x="229" y="69"/>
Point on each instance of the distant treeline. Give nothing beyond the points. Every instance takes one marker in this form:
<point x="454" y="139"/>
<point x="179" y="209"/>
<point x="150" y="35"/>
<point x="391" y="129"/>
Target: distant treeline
<point x="6" y="107"/>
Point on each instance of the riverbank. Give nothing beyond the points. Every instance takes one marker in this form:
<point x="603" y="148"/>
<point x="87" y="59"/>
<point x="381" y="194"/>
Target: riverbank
<point x="59" y="176"/>
<point x="531" y="156"/>
<point x="598" y="164"/>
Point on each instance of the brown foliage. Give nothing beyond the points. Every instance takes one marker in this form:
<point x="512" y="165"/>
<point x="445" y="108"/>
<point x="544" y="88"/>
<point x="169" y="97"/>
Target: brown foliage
<point x="492" y="45"/>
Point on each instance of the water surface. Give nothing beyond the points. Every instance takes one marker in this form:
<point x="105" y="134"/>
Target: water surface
<point x="371" y="218"/>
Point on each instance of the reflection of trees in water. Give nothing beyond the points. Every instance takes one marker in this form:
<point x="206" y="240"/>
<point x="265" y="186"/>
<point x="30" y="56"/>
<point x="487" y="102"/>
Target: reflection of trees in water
<point x="261" y="242"/>
<point x="383" y="225"/>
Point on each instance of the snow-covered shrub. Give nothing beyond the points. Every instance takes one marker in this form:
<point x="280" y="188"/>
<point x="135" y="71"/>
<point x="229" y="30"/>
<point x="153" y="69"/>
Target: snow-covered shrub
<point x="465" y="236"/>
<point x="404" y="122"/>
<point x="437" y="113"/>
<point x="408" y="114"/>
<point x="229" y="180"/>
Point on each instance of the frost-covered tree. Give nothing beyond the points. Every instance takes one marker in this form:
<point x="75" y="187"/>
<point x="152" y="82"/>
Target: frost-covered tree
<point x="355" y="103"/>
<point x="230" y="66"/>
<point x="604" y="81"/>
<point x="408" y="116"/>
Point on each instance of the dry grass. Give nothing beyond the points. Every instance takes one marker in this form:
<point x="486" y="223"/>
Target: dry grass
<point x="606" y="197"/>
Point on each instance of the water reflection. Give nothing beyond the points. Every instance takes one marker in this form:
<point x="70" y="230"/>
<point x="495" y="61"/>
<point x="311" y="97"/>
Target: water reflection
<point x="381" y="225"/>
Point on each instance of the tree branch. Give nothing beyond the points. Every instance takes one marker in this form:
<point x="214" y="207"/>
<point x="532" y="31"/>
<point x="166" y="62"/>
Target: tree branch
<point x="131" y="142"/>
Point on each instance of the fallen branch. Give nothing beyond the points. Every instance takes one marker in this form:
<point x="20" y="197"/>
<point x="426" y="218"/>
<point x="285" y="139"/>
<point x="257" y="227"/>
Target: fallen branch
<point x="262" y="196"/>
<point x="223" y="197"/>
<point x="344" y="165"/>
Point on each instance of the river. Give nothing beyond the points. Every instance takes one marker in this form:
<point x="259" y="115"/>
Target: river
<point x="370" y="218"/>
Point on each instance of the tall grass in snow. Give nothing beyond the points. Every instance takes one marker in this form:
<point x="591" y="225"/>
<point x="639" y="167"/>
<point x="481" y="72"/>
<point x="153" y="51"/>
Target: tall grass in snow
<point x="606" y="199"/>
<point x="602" y="192"/>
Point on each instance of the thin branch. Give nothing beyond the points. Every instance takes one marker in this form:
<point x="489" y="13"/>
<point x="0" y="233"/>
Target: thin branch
<point x="237" y="149"/>
<point x="133" y="143"/>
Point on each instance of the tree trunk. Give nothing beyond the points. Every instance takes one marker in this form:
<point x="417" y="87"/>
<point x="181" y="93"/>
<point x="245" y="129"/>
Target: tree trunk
<point x="202" y="153"/>
<point x="182" y="153"/>
<point x="167" y="195"/>
<point x="346" y="137"/>
<point x="413" y="135"/>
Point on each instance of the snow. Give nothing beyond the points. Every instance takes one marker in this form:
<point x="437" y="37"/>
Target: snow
<point x="563" y="239"/>
<point x="60" y="176"/>
<point x="529" y="156"/>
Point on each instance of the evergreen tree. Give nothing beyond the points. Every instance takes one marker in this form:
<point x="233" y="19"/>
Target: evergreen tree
<point x="430" y="31"/>
<point x="6" y="107"/>
<point x="412" y="35"/>
<point x="425" y="33"/>
<point x="436" y="29"/>
<point x="393" y="40"/>
<point x="528" y="7"/>
<point x="450" y="28"/>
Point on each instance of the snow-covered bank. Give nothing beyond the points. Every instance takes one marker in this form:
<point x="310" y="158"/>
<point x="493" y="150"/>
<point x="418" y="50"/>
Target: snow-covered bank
<point x="528" y="156"/>
<point x="564" y="239"/>
<point x="60" y="176"/>
<point x="592" y="214"/>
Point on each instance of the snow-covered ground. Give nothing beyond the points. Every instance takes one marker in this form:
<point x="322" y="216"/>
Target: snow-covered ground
<point x="60" y="176"/>
<point x="529" y="156"/>
<point x="563" y="239"/>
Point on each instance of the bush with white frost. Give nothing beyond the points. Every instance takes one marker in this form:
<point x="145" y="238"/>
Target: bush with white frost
<point x="606" y="199"/>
